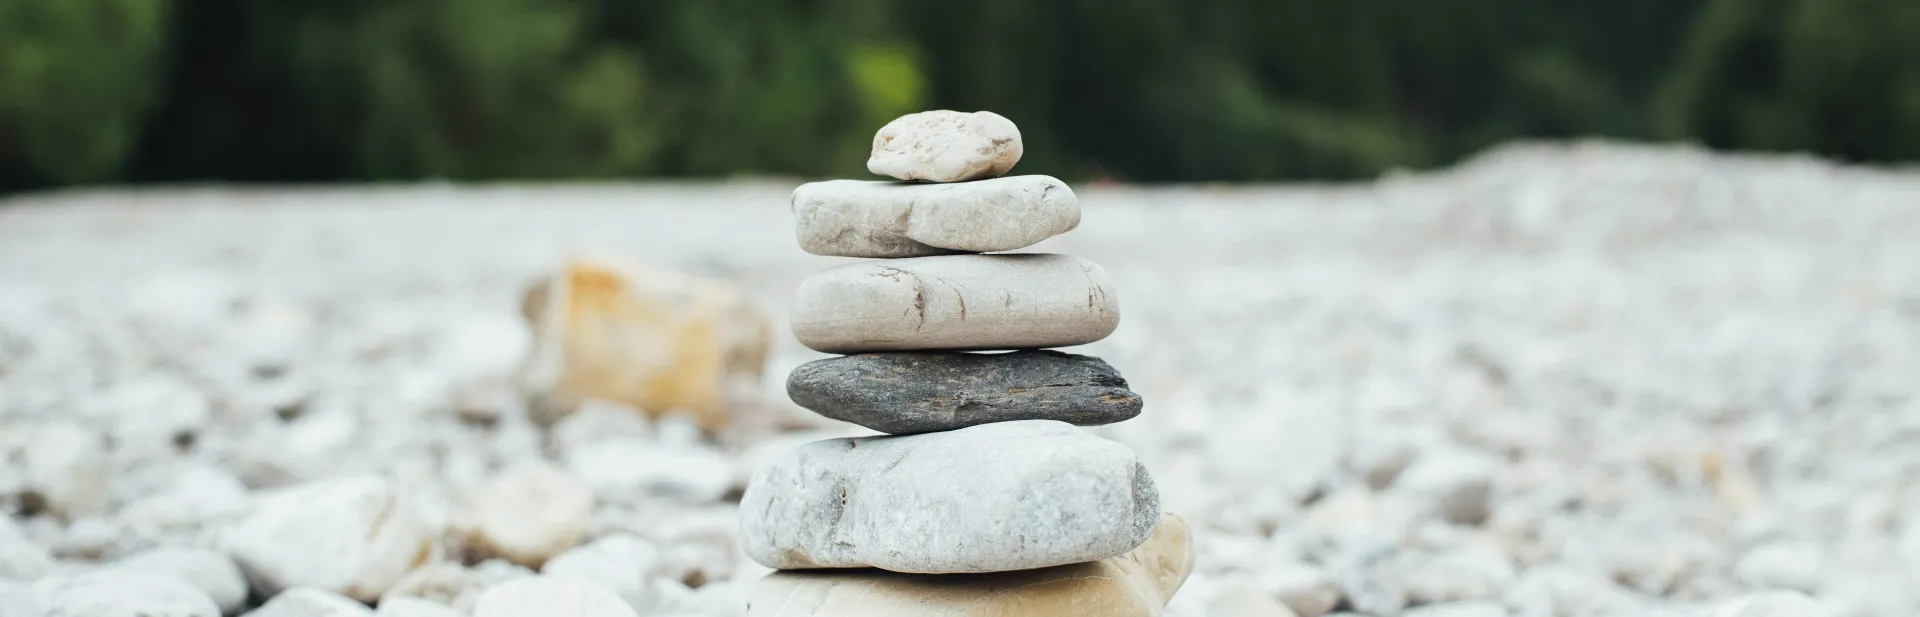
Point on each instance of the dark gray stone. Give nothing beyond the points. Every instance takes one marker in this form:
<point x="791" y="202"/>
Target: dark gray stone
<point x="903" y="393"/>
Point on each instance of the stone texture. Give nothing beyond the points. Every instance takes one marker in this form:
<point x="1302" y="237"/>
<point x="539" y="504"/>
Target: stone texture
<point x="213" y="573"/>
<point x="311" y="602"/>
<point x="452" y="584"/>
<point x="545" y="596"/>
<point x="620" y="562"/>
<point x="195" y="495"/>
<point x="858" y="218"/>
<point x="405" y="606"/>
<point x="1458" y="609"/>
<point x="1303" y="588"/>
<point x="946" y="146"/>
<point x="988" y="498"/>
<point x="354" y="536"/>
<point x="659" y="340"/>
<point x="20" y="557"/>
<point x="1245" y="599"/>
<point x="120" y="594"/>
<point x="63" y="466"/>
<point x="1772" y="604"/>
<point x="909" y="392"/>
<point x="529" y="513"/>
<point x="1137" y="584"/>
<point x="956" y="302"/>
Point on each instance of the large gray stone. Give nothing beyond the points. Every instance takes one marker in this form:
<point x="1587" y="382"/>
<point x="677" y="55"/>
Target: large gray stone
<point x="918" y="392"/>
<point x="855" y="218"/>
<point x="956" y="302"/>
<point x="946" y="146"/>
<point x="988" y="498"/>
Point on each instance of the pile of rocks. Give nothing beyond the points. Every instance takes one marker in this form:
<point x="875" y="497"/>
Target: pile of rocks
<point x="983" y="472"/>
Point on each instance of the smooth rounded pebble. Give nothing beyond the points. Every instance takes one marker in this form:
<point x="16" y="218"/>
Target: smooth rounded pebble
<point x="956" y="302"/>
<point x="405" y="606"/>
<point x="988" y="498"/>
<point x="857" y="218"/>
<point x="20" y="557"/>
<point x="452" y="584"/>
<point x="946" y="146"/>
<point x="1137" y="584"/>
<point x="621" y="562"/>
<point x="919" y="392"/>
<point x="529" y="513"/>
<point x="545" y="596"/>
<point x="209" y="571"/>
<point x="110" y="593"/>
<point x="1772" y="604"/>
<point x="311" y="602"/>
<point x="354" y="536"/>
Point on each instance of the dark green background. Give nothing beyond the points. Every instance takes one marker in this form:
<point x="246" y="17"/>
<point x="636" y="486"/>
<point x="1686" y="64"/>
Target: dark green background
<point x="95" y="91"/>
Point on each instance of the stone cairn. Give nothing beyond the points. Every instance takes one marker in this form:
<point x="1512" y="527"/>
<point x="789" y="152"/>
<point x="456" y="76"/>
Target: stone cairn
<point x="982" y="470"/>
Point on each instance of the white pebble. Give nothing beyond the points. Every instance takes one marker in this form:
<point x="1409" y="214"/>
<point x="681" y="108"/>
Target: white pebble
<point x="546" y="596"/>
<point x="213" y="573"/>
<point x="355" y="536"/>
<point x="1244" y="599"/>
<point x="405" y="606"/>
<point x="20" y="557"/>
<point x="621" y="562"/>
<point x="529" y="513"/>
<point x="1772" y="604"/>
<point x="310" y="602"/>
<point x="1303" y="588"/>
<point x="109" y="593"/>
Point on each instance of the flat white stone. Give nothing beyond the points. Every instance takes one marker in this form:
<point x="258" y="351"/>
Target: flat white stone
<point x="529" y="513"/>
<point x="621" y="562"/>
<point x="545" y="596"/>
<point x="452" y="584"/>
<point x="958" y="302"/>
<point x="857" y="218"/>
<point x="354" y="536"/>
<point x="210" y="572"/>
<point x="20" y="557"/>
<point x="310" y="602"/>
<point x="987" y="498"/>
<point x="946" y="146"/>
<point x="110" y="593"/>
<point x="405" y="606"/>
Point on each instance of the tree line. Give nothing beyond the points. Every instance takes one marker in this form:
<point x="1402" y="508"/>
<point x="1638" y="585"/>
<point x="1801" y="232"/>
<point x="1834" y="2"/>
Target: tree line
<point x="110" y="91"/>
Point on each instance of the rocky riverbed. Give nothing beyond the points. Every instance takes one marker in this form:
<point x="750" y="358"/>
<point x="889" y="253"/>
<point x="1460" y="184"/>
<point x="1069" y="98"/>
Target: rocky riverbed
<point x="1556" y="381"/>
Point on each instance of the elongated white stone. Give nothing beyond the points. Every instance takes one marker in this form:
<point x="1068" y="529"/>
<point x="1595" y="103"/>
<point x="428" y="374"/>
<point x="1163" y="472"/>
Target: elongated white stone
<point x="856" y="218"/>
<point x="956" y="302"/>
<point x="946" y="146"/>
<point x="988" y="498"/>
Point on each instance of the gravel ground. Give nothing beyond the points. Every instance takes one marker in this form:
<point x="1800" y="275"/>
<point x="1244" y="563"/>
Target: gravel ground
<point x="1558" y="380"/>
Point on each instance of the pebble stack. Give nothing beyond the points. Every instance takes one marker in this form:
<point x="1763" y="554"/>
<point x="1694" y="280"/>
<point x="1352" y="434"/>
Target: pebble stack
<point x="982" y="469"/>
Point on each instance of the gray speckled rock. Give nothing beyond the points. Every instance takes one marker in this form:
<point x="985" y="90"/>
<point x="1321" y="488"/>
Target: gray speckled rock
<point x="946" y="146"/>
<point x="917" y="392"/>
<point x="855" y="218"/>
<point x="956" y="302"/>
<point x="988" y="498"/>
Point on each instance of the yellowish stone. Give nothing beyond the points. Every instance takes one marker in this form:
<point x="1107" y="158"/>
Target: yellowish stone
<point x="1137" y="584"/>
<point x="658" y="340"/>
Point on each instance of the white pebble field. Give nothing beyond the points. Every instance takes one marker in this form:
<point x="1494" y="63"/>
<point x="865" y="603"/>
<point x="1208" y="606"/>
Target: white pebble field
<point x="1556" y="380"/>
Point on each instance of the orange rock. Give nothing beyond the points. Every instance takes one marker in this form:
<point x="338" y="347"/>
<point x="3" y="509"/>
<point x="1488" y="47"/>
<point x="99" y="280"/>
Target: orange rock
<point x="658" y="340"/>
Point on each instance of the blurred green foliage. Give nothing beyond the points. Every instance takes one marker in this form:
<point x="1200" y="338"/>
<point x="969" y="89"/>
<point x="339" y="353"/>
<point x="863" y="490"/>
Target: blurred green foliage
<point x="1141" y="90"/>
